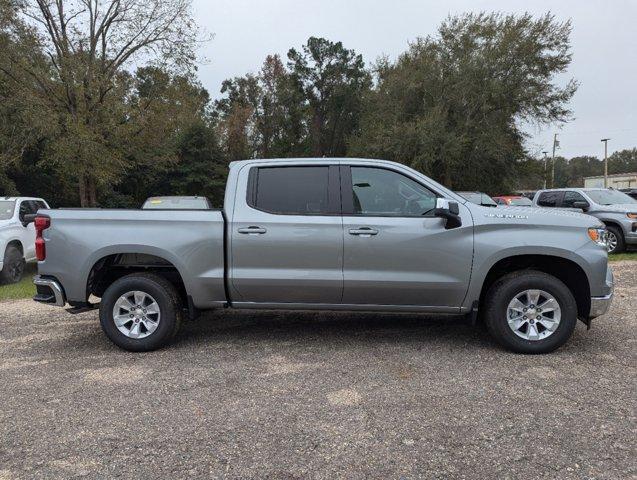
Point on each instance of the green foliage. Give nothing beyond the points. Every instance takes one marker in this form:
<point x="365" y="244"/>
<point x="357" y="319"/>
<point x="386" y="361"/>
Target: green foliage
<point x="571" y="173"/>
<point x="308" y="108"/>
<point x="623" y="161"/>
<point x="452" y="104"/>
<point x="201" y="168"/>
<point x="333" y="81"/>
<point x="71" y="66"/>
<point x="79" y="125"/>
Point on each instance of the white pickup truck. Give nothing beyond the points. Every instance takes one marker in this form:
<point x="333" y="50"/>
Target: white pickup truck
<point x="17" y="237"/>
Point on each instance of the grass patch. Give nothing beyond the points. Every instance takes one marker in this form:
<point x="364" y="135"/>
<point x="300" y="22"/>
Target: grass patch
<point x="623" y="256"/>
<point x="23" y="289"/>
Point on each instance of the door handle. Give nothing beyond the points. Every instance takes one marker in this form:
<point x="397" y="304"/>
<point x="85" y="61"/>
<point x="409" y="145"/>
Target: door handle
<point x="253" y="230"/>
<point x="363" y="231"/>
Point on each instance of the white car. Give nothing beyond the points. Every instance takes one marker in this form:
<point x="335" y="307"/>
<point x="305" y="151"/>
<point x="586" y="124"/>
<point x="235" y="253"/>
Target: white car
<point x="17" y="241"/>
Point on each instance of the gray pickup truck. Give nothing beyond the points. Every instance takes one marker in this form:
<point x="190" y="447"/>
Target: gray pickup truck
<point x="328" y="234"/>
<point x="615" y="209"/>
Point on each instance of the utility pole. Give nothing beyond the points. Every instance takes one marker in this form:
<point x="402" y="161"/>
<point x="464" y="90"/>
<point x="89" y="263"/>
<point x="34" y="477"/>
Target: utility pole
<point x="545" y="162"/>
<point x="605" y="140"/>
<point x="556" y="144"/>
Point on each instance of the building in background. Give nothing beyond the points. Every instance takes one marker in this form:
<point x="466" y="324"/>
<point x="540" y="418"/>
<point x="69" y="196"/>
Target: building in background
<point x="617" y="180"/>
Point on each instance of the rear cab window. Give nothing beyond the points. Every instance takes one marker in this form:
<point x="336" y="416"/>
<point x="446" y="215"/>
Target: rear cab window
<point x="302" y="190"/>
<point x="549" y="199"/>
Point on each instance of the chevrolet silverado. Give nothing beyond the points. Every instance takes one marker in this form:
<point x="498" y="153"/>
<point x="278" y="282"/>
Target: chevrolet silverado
<point x="329" y="234"/>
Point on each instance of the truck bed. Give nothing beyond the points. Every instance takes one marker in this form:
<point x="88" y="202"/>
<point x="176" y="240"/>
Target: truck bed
<point x="190" y="240"/>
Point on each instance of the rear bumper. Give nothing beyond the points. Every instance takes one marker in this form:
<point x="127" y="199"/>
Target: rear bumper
<point x="49" y="291"/>
<point x="1" y="265"/>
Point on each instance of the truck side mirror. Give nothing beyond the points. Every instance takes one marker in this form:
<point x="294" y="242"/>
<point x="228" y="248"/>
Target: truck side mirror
<point x="450" y="211"/>
<point x="584" y="206"/>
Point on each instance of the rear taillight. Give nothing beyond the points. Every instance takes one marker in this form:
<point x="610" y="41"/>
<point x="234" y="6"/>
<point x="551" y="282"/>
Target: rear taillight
<point x="41" y="224"/>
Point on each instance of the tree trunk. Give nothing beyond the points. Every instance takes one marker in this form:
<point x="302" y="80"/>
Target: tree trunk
<point x="317" y="131"/>
<point x="92" y="192"/>
<point x="87" y="191"/>
<point x="82" y="191"/>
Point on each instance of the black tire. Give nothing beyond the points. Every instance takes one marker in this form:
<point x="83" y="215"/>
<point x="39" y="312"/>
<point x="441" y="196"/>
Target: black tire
<point x="506" y="289"/>
<point x="13" y="266"/>
<point x="166" y="297"/>
<point x="619" y="234"/>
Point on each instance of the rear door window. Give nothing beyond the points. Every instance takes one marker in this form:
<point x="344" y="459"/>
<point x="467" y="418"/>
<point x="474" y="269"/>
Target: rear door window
<point x="549" y="199"/>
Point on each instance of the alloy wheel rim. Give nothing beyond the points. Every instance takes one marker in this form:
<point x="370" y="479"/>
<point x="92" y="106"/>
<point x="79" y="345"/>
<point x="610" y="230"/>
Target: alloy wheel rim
<point x="612" y="241"/>
<point x="534" y="314"/>
<point x="136" y="314"/>
<point x="16" y="270"/>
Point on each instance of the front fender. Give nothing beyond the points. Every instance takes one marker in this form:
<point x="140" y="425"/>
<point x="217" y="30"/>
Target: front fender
<point x="493" y="244"/>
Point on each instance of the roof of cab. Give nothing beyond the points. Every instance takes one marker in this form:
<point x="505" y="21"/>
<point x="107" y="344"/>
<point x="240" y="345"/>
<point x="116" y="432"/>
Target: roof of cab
<point x="20" y="198"/>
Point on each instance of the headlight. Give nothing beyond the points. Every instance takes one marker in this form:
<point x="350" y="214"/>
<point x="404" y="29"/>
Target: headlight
<point x="632" y="216"/>
<point x="599" y="236"/>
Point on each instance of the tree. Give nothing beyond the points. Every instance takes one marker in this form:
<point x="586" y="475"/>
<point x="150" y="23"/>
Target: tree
<point x="452" y="104"/>
<point x="623" y="161"/>
<point x="263" y="115"/>
<point x="84" y="85"/>
<point x="202" y="168"/>
<point x="166" y="107"/>
<point x="23" y="120"/>
<point x="333" y="81"/>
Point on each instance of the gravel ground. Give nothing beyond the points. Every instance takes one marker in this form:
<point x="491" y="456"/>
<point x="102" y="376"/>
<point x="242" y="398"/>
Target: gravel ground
<point x="316" y="395"/>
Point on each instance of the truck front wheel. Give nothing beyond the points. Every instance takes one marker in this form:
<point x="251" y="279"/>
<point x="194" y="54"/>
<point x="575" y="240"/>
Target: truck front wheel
<point x="616" y="242"/>
<point x="530" y="312"/>
<point x="140" y="312"/>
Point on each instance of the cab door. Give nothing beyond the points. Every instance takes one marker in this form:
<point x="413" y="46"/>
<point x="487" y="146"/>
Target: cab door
<point x="287" y="235"/>
<point x="395" y="251"/>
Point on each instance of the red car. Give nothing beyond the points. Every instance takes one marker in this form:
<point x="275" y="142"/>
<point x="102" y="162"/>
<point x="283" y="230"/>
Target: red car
<point x="513" y="200"/>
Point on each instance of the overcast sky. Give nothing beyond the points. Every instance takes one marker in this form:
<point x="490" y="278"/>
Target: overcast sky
<point x="604" y="43"/>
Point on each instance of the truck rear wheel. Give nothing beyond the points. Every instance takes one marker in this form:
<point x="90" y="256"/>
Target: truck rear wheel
<point x="140" y="312"/>
<point x="530" y="312"/>
<point x="13" y="266"/>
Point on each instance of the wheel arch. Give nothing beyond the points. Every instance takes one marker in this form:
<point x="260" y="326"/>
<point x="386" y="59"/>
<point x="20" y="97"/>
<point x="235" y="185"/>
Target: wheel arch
<point x="564" y="269"/>
<point x="110" y="266"/>
<point x="14" y="243"/>
<point x="613" y="223"/>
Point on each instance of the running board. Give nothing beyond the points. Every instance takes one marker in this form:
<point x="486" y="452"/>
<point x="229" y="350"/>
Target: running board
<point x="83" y="308"/>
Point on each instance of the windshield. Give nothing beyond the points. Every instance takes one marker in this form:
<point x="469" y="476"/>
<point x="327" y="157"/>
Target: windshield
<point x="6" y="209"/>
<point x="521" y="202"/>
<point x="478" y="198"/>
<point x="609" y="197"/>
<point x="181" y="203"/>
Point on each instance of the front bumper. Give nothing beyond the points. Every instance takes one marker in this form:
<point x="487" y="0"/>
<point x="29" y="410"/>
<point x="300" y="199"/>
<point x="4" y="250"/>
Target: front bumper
<point x="600" y="305"/>
<point x="49" y="291"/>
